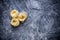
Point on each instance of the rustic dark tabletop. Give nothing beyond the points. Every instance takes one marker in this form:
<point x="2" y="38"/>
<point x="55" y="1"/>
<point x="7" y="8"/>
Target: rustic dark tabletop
<point x="43" y="22"/>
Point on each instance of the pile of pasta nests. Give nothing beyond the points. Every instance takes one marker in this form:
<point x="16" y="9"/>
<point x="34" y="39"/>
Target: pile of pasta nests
<point x="17" y="17"/>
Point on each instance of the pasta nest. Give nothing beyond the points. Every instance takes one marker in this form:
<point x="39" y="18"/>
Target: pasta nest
<point x="14" y="13"/>
<point x="22" y="16"/>
<point x="15" y="22"/>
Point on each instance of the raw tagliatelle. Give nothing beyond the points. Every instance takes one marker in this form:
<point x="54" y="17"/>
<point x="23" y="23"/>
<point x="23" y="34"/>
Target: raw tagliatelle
<point x="17" y="18"/>
<point x="22" y="16"/>
<point x="14" y="13"/>
<point x="15" y="22"/>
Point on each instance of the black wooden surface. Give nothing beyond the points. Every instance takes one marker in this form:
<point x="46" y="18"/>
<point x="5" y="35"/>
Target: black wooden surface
<point x="43" y="22"/>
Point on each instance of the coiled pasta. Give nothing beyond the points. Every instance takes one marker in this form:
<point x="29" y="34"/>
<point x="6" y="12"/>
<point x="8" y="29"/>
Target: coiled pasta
<point x="14" y="22"/>
<point x="14" y="13"/>
<point x="22" y="16"/>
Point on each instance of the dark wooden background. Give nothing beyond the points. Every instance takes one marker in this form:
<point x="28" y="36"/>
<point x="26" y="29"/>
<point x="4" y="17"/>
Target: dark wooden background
<point x="43" y="22"/>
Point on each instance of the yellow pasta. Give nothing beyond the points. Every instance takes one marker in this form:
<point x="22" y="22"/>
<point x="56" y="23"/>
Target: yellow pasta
<point x="14" y="22"/>
<point x="22" y="16"/>
<point x="14" y="13"/>
<point x="17" y="18"/>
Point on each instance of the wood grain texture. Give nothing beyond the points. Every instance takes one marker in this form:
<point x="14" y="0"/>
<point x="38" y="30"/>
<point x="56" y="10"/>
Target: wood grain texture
<point x="43" y="22"/>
